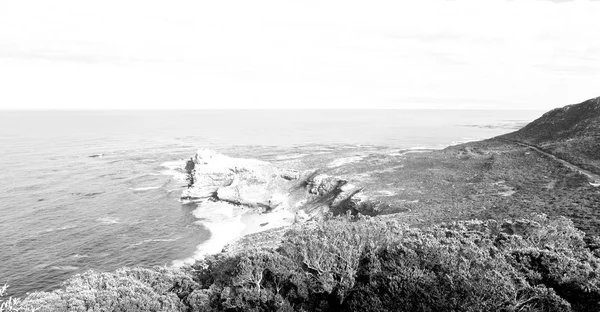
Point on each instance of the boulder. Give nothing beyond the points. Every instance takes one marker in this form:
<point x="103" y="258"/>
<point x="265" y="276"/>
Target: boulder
<point x="241" y="181"/>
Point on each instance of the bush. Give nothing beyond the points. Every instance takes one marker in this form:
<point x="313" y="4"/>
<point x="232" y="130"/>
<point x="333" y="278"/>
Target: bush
<point x="370" y="265"/>
<point x="444" y="270"/>
<point x="127" y="289"/>
<point x="366" y="264"/>
<point x="11" y="304"/>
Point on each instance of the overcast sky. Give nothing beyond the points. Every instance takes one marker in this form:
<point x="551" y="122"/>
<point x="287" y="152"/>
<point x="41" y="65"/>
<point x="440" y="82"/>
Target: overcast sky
<point x="149" y="54"/>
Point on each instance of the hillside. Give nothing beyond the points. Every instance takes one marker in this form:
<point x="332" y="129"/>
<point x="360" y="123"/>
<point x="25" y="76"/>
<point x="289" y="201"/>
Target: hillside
<point x="389" y="230"/>
<point x="571" y="133"/>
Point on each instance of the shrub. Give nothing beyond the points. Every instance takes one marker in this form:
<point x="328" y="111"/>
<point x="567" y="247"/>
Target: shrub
<point x="127" y="289"/>
<point x="442" y="270"/>
<point x="365" y="264"/>
<point x="11" y="304"/>
<point x="330" y="253"/>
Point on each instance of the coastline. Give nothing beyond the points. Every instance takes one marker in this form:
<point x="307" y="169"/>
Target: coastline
<point x="229" y="223"/>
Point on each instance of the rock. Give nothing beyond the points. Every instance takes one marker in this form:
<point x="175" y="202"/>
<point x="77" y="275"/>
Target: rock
<point x="301" y="217"/>
<point x="189" y="166"/>
<point x="261" y="185"/>
<point x="322" y="184"/>
<point x="240" y="181"/>
<point x="290" y="174"/>
<point x="346" y="193"/>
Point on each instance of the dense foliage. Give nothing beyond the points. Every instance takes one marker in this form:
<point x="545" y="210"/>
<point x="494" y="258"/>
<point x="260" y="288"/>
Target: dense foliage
<point x="127" y="289"/>
<point x="366" y="265"/>
<point x="10" y="304"/>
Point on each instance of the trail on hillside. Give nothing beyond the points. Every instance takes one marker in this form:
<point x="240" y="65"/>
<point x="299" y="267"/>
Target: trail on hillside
<point x="595" y="179"/>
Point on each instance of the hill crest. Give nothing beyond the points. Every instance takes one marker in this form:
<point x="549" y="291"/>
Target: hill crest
<point x="571" y="132"/>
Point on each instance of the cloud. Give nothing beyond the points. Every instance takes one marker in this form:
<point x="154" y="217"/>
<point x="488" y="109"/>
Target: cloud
<point x="300" y="54"/>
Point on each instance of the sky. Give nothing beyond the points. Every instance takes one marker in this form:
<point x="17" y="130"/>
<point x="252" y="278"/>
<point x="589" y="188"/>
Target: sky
<point x="229" y="54"/>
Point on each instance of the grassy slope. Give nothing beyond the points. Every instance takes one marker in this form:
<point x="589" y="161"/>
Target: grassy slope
<point x="571" y="133"/>
<point x="491" y="179"/>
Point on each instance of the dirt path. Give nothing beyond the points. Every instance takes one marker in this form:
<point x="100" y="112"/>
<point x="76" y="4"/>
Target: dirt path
<point x="594" y="178"/>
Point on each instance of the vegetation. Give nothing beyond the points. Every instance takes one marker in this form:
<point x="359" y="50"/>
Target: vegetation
<point x="570" y="132"/>
<point x="10" y="304"/>
<point x="127" y="289"/>
<point x="365" y="264"/>
<point x="419" y="257"/>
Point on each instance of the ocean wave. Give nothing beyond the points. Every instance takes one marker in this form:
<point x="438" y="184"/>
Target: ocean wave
<point x="175" y="169"/>
<point x="224" y="223"/>
<point x="154" y="240"/>
<point x="67" y="227"/>
<point x="90" y="194"/>
<point x="108" y="220"/>
<point x="173" y="164"/>
<point x="464" y="140"/>
<point x="64" y="268"/>
<point x="145" y="188"/>
<point x="343" y="161"/>
<point x="290" y="156"/>
<point x="227" y="223"/>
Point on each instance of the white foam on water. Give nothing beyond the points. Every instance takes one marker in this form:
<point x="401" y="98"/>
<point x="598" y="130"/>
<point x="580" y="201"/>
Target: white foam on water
<point x="224" y="223"/>
<point x="175" y="169"/>
<point x="108" y="220"/>
<point x="258" y="222"/>
<point x="145" y="188"/>
<point x="344" y="161"/>
<point x="464" y="140"/>
<point x="59" y="229"/>
<point x="290" y="156"/>
<point x="227" y="223"/>
<point x="65" y="268"/>
<point x="155" y="240"/>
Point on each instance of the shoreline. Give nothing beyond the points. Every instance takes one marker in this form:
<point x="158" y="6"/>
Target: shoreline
<point x="228" y="223"/>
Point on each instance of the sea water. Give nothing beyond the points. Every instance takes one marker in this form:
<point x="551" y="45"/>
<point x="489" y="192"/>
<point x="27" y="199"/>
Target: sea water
<point x="99" y="190"/>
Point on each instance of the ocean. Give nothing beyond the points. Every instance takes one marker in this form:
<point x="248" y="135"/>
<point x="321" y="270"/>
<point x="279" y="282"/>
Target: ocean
<point x="99" y="190"/>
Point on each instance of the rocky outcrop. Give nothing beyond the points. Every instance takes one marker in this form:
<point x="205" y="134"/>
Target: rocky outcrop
<point x="248" y="182"/>
<point x="261" y="185"/>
